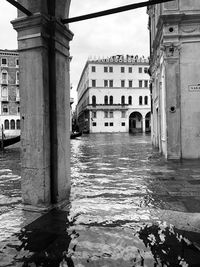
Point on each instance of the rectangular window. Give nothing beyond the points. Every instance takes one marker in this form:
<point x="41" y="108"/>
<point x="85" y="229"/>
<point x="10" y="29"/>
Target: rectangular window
<point x="5" y="108"/>
<point x="17" y="62"/>
<point x="123" y="114"/>
<point x="122" y="69"/>
<point x="122" y="83"/>
<point x="105" y="69"/>
<point x="130" y="69"/>
<point x="110" y="69"/>
<point x="93" y="69"/>
<point x="111" y="114"/>
<point x="18" y="109"/>
<point x="146" y="70"/>
<point x="146" y="83"/>
<point x="105" y="114"/>
<point x="94" y="124"/>
<point x="123" y="124"/>
<point x="4" y="61"/>
<point x="111" y="83"/>
<point x="130" y="83"/>
<point x="140" y="70"/>
<point x="93" y="83"/>
<point x="111" y="124"/>
<point x="94" y="114"/>
<point x="105" y="83"/>
<point x="106" y="124"/>
<point x="140" y="83"/>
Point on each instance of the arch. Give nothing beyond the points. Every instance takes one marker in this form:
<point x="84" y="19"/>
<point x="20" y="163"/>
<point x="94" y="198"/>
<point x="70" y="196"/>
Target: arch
<point x="18" y="124"/>
<point x="146" y="100"/>
<point x="130" y="100"/>
<point x="123" y="100"/>
<point x="6" y="124"/>
<point x="140" y="100"/>
<point x="12" y="124"/>
<point x="148" y="122"/>
<point x="93" y="100"/>
<point x="135" y="122"/>
<point x="106" y="100"/>
<point x="111" y="100"/>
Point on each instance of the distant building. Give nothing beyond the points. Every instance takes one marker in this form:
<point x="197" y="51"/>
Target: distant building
<point x="174" y="67"/>
<point x="114" y="96"/>
<point x="9" y="93"/>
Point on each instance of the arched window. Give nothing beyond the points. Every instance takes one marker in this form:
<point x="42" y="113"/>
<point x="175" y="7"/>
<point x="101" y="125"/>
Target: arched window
<point x="130" y="100"/>
<point x="123" y="100"/>
<point x="4" y="77"/>
<point x="6" y="124"/>
<point x="4" y="92"/>
<point x="111" y="100"/>
<point x="146" y="100"/>
<point x="94" y="100"/>
<point x="18" y="124"/>
<point x="106" y="100"/>
<point x="140" y="100"/>
<point x="12" y="125"/>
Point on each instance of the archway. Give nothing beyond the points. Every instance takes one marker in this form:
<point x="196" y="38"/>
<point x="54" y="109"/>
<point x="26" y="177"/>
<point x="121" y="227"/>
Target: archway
<point x="148" y="122"/>
<point x="135" y="122"/>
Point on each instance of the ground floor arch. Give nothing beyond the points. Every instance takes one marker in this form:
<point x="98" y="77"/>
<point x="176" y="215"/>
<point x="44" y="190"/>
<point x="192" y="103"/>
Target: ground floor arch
<point x="148" y="122"/>
<point x="135" y="122"/>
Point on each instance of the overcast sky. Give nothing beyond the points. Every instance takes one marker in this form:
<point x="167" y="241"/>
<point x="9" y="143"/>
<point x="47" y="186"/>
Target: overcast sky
<point x="122" y="33"/>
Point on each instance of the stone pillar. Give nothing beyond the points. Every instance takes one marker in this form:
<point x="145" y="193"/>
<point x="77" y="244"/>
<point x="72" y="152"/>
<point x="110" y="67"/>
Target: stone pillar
<point x="143" y="124"/>
<point x="43" y="43"/>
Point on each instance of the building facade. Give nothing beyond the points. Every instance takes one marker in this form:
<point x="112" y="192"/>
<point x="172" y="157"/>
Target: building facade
<point x="9" y="93"/>
<point x="114" y="96"/>
<point x="175" y="77"/>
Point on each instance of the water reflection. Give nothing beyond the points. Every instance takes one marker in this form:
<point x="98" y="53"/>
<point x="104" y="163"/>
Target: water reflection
<point x="118" y="182"/>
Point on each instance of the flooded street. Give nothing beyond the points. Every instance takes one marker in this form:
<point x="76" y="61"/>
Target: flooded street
<point x="128" y="207"/>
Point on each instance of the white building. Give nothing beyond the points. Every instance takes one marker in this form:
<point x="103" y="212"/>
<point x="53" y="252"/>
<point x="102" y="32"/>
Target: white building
<point x="114" y="96"/>
<point x="9" y="93"/>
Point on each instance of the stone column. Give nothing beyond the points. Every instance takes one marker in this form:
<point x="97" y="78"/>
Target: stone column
<point x="143" y="124"/>
<point x="43" y="44"/>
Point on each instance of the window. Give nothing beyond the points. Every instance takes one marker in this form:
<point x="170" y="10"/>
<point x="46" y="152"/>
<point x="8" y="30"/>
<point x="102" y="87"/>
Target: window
<point x="146" y="83"/>
<point x="130" y="83"/>
<point x="93" y="69"/>
<point x="146" y="70"/>
<point x="130" y="69"/>
<point x="4" y="92"/>
<point x="93" y="83"/>
<point x="106" y="123"/>
<point x="140" y="70"/>
<point x="110" y="69"/>
<point x="94" y="114"/>
<point x="17" y="62"/>
<point x="146" y="100"/>
<point x="130" y="100"/>
<point x="140" y="83"/>
<point x="111" y="83"/>
<point x="105" y="83"/>
<point x="4" y="76"/>
<point x="122" y="83"/>
<point x="105" y="69"/>
<point x="5" y="109"/>
<point x="6" y="124"/>
<point x="123" y="114"/>
<point x="18" y="109"/>
<point x="105" y="114"/>
<point x="94" y="100"/>
<point x="12" y="125"/>
<point x="111" y="100"/>
<point x="106" y="100"/>
<point x="94" y="124"/>
<point x="18" y="124"/>
<point x="123" y="100"/>
<point x="123" y="124"/>
<point x="122" y="69"/>
<point x="4" y="61"/>
<point x="111" y="114"/>
<point x="111" y="123"/>
<point x="17" y="77"/>
<point x="140" y="100"/>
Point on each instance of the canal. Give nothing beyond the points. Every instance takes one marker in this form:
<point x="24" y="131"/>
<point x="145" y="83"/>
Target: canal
<point x="128" y="207"/>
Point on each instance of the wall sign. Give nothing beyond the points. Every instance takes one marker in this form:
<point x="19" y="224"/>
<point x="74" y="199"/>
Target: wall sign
<point x="194" y="88"/>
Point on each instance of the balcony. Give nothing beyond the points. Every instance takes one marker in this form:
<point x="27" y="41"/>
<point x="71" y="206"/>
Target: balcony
<point x="107" y="107"/>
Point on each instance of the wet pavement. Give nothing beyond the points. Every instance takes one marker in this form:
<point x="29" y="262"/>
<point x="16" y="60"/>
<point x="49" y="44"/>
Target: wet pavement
<point x="128" y="207"/>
